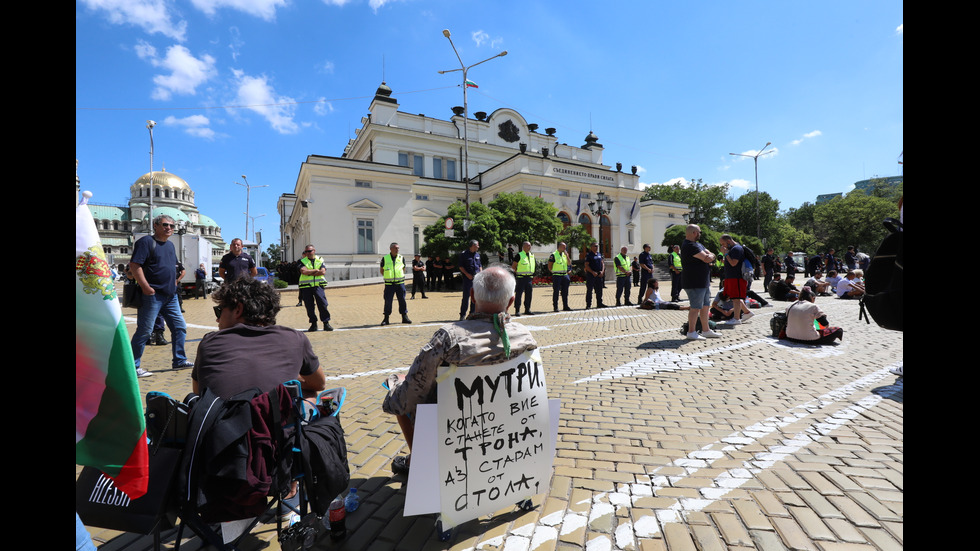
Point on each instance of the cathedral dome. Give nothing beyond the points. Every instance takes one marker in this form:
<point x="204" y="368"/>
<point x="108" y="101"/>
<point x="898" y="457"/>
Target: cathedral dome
<point x="163" y="178"/>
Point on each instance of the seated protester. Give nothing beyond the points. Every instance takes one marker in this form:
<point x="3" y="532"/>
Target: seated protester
<point x="799" y="322"/>
<point x="722" y="307"/>
<point x="784" y="289"/>
<point x="652" y="301"/>
<point x="833" y="279"/>
<point x="771" y="289"/>
<point x="475" y="341"/>
<point x="248" y="350"/>
<point x="850" y="287"/>
<point x="819" y="285"/>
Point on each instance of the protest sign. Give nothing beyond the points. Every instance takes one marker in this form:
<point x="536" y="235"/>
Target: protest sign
<point x="494" y="444"/>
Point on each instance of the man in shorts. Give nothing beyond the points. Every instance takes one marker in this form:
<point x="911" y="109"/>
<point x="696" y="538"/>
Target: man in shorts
<point x="735" y="285"/>
<point x="696" y="264"/>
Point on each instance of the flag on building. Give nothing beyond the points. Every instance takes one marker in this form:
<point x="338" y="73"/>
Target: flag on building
<point x="632" y="210"/>
<point x="578" y="207"/>
<point x="471" y="84"/>
<point x="110" y="433"/>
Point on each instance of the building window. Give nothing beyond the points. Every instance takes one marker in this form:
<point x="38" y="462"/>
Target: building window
<point x="563" y="193"/>
<point x="403" y="159"/>
<point x="416" y="239"/>
<point x="437" y="167"/>
<point x="414" y="161"/>
<point x="418" y="166"/>
<point x="585" y="195"/>
<point x="450" y="169"/>
<point x="421" y="197"/>
<point x="565" y="220"/>
<point x="359" y="183"/>
<point x="365" y="236"/>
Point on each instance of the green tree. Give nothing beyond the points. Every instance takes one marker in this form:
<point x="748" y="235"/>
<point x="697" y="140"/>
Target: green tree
<point x="742" y="217"/>
<point x="853" y="220"/>
<point x="483" y="227"/>
<point x="802" y="218"/>
<point x="707" y="202"/>
<point x="576" y="237"/>
<point x="275" y="253"/>
<point x="523" y="218"/>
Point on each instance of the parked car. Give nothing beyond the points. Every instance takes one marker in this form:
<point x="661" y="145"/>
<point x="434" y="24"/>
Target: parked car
<point x="265" y="275"/>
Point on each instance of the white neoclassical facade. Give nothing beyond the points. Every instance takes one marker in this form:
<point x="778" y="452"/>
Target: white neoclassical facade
<point x="402" y="171"/>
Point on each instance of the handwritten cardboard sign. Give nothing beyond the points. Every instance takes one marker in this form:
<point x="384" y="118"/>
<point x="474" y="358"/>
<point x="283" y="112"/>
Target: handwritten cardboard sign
<point x="493" y="441"/>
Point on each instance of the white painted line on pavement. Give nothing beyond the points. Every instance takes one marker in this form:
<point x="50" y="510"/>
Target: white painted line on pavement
<point x="662" y="362"/>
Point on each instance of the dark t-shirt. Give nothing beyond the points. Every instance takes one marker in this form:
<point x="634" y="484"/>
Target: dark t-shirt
<point x="237" y="266"/>
<point x="470" y="261"/>
<point x="159" y="261"/>
<point x="695" y="273"/>
<point x="734" y="272"/>
<point x="236" y="359"/>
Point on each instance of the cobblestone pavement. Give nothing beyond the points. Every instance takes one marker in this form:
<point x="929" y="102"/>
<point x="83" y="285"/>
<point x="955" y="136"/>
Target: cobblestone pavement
<point x="740" y="442"/>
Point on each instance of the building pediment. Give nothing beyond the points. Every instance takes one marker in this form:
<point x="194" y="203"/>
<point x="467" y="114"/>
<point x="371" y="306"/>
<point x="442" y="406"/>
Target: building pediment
<point x="425" y="213"/>
<point x="364" y="205"/>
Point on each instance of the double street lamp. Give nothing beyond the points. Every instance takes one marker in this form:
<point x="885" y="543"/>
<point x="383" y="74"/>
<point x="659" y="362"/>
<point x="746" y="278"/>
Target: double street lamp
<point x="466" y="149"/>
<point x="758" y="224"/>
<point x="248" y="197"/>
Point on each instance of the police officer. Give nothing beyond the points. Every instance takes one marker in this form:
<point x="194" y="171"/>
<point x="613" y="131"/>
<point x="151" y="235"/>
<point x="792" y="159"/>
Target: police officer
<point x="418" y="276"/>
<point x="311" y="284"/>
<point x="469" y="265"/>
<point x="524" y="266"/>
<point x="558" y="266"/>
<point x="646" y="269"/>
<point x="621" y="263"/>
<point x="674" y="259"/>
<point x="595" y="273"/>
<point x="393" y="271"/>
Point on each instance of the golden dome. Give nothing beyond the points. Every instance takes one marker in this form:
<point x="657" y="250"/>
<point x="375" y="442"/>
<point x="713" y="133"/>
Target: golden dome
<point x="163" y="178"/>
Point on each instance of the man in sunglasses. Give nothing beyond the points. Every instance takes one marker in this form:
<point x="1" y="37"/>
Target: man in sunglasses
<point x="154" y="266"/>
<point x="249" y="350"/>
<point x="311" y="284"/>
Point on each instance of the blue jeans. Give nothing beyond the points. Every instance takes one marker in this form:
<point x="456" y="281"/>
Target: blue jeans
<point x="169" y="308"/>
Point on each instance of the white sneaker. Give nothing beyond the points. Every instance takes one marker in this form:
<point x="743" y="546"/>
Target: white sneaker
<point x="140" y="372"/>
<point x="711" y="334"/>
<point x="694" y="336"/>
<point x="733" y="321"/>
<point x="746" y="316"/>
<point x="897" y="371"/>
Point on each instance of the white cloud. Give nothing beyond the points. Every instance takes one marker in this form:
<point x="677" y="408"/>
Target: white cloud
<point x="256" y="93"/>
<point x="327" y="67"/>
<point x="264" y="9"/>
<point x="377" y="4"/>
<point x="235" y="43"/>
<point x="480" y="37"/>
<point x="322" y="107"/>
<point x="806" y="136"/>
<point x="195" y="125"/>
<point x="153" y="16"/>
<point x="739" y="183"/>
<point x="747" y="155"/>
<point x="186" y="72"/>
<point x="900" y="29"/>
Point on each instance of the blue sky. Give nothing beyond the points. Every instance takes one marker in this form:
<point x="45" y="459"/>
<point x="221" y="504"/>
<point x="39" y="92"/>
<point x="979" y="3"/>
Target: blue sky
<point x="254" y="86"/>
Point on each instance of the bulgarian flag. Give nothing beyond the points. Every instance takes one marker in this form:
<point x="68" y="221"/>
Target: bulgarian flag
<point x="471" y="84"/>
<point x="110" y="433"/>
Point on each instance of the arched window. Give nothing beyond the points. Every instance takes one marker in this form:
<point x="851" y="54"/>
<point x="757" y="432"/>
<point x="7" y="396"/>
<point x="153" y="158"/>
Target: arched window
<point x="565" y="219"/>
<point x="605" y="236"/>
<point x="586" y="222"/>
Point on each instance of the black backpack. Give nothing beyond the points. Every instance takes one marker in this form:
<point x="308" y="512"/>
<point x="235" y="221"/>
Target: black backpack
<point x="884" y="281"/>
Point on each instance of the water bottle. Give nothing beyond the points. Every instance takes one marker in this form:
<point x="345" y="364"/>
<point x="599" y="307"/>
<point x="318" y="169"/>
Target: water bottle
<point x="336" y="517"/>
<point x="352" y="502"/>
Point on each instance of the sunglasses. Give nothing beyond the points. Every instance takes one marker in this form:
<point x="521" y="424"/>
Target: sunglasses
<point x="166" y="225"/>
<point x="309" y="251"/>
<point x="217" y="311"/>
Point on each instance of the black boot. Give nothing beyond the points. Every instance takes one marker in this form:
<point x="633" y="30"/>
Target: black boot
<point x="327" y="326"/>
<point x="385" y="321"/>
<point x="312" y="328"/>
<point x="405" y="319"/>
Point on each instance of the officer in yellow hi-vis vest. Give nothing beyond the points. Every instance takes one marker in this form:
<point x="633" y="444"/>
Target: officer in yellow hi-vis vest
<point x="393" y="270"/>
<point x="621" y="262"/>
<point x="558" y="265"/>
<point x="524" y="266"/>
<point x="311" y="284"/>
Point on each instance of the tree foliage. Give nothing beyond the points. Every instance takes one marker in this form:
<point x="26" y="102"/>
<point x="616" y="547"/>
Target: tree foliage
<point x="742" y="216"/>
<point x="483" y="227"/>
<point x="524" y="218"/>
<point x="855" y="219"/>
<point x="275" y="253"/>
<point x="707" y="202"/>
<point x="576" y="237"/>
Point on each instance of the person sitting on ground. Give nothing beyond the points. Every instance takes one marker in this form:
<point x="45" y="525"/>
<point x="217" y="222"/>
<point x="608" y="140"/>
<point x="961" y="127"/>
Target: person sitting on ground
<point x="249" y="350"/>
<point x="833" y="279"/>
<point x="784" y="289"/>
<point x="722" y="307"/>
<point x="772" y="284"/>
<point x="485" y="337"/>
<point x="652" y="300"/>
<point x="850" y="287"/>
<point x="800" y="317"/>
<point x="819" y="285"/>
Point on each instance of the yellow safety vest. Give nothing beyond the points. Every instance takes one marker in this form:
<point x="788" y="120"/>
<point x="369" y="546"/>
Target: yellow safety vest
<point x="306" y="281"/>
<point x="394" y="271"/>
<point x="560" y="265"/>
<point x="525" y="264"/>
<point x="623" y="266"/>
<point x="676" y="258"/>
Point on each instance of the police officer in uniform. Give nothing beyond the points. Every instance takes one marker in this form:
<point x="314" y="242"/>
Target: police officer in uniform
<point x="595" y="272"/>
<point x="558" y="266"/>
<point x="418" y="276"/>
<point x="646" y="269"/>
<point x="470" y="264"/>
<point x="311" y="284"/>
<point x="621" y="263"/>
<point x="393" y="271"/>
<point x="524" y="266"/>
<point x="674" y="258"/>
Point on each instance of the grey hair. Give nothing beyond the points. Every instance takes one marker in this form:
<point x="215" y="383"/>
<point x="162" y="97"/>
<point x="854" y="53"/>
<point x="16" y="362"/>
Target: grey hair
<point x="495" y="287"/>
<point x="161" y="217"/>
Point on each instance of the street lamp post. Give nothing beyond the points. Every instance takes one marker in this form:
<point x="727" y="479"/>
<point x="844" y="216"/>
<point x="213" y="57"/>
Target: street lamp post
<point x="149" y="126"/>
<point x="758" y="225"/>
<point x="466" y="116"/>
<point x="602" y="214"/>
<point x="248" y="198"/>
